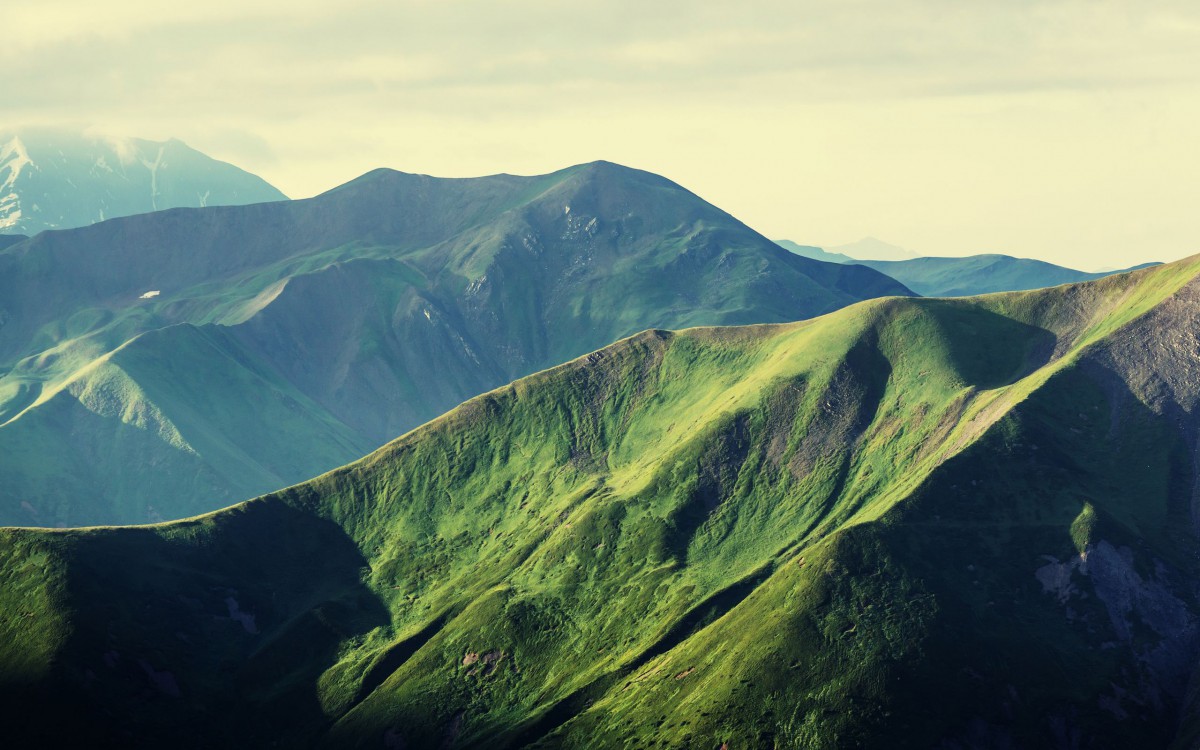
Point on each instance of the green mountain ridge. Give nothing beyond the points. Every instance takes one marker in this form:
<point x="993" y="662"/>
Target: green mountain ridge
<point x="345" y="319"/>
<point x="910" y="522"/>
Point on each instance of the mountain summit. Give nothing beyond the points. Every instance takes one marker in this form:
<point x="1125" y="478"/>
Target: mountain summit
<point x="178" y="361"/>
<point x="871" y="248"/>
<point x="58" y="180"/>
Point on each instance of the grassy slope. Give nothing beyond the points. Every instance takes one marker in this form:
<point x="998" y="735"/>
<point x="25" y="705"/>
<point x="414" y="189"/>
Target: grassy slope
<point x="822" y="534"/>
<point x="222" y="430"/>
<point x="342" y="321"/>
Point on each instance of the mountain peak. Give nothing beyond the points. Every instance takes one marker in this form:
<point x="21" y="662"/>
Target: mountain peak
<point x="872" y="248"/>
<point x="60" y="179"/>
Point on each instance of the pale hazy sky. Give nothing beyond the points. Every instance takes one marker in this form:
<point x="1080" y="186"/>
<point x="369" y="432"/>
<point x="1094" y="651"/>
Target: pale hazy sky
<point x="1063" y="130"/>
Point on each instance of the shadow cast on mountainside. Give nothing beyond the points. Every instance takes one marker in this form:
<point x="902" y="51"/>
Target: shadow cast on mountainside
<point x="209" y="632"/>
<point x="1063" y="538"/>
<point x="703" y="614"/>
<point x="394" y="657"/>
<point x="987" y="349"/>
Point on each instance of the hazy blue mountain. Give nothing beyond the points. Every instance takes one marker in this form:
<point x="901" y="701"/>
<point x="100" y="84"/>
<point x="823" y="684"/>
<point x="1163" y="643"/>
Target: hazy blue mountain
<point x="958" y="276"/>
<point x="870" y="248"/>
<point x="980" y="274"/>
<point x="57" y="180"/>
<point x="166" y="364"/>
<point x="816" y="253"/>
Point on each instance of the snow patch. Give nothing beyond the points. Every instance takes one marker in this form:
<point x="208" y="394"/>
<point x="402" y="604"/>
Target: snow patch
<point x="153" y="167"/>
<point x="150" y="294"/>
<point x="13" y="158"/>
<point x="13" y="217"/>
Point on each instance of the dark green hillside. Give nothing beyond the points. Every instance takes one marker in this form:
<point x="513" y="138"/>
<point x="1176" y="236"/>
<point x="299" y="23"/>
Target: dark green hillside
<point x="916" y="523"/>
<point x="149" y="364"/>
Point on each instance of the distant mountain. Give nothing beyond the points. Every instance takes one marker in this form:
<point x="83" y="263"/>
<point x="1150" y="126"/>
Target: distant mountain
<point x="869" y="248"/>
<point x="962" y="276"/>
<point x="58" y="180"/>
<point x="980" y="274"/>
<point x="11" y="239"/>
<point x="816" y="253"/>
<point x="167" y="364"/>
<point x="916" y="523"/>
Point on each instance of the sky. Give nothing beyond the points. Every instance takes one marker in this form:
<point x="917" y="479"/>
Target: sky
<point x="1064" y="130"/>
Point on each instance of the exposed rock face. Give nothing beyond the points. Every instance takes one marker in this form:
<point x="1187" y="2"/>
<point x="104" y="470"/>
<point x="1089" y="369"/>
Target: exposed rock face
<point x="1148" y="615"/>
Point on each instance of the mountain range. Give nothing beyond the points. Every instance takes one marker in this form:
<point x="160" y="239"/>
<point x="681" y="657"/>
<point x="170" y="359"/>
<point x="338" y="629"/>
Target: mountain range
<point x="963" y="276"/>
<point x="908" y="523"/>
<point x="166" y="364"/>
<point x="980" y="274"/>
<point x="51" y="179"/>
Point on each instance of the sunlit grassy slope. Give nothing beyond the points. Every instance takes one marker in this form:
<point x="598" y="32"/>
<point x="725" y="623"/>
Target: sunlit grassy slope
<point x="148" y="365"/>
<point x="909" y="523"/>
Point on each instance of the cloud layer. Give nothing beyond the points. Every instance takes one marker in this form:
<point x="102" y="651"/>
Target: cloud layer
<point x="1058" y="129"/>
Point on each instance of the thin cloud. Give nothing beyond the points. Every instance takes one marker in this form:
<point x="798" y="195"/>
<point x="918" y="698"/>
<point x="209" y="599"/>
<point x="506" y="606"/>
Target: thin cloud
<point x="884" y="105"/>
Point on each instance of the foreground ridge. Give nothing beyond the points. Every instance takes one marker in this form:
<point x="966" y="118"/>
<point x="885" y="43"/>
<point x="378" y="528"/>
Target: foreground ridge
<point x="955" y="522"/>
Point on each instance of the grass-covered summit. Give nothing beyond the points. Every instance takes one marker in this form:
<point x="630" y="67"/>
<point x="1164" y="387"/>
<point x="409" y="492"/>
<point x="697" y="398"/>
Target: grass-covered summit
<point x="167" y="364"/>
<point x="912" y="522"/>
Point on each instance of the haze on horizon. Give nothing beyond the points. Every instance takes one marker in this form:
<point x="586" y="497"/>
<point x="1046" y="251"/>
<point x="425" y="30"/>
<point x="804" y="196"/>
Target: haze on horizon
<point x="1063" y="130"/>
